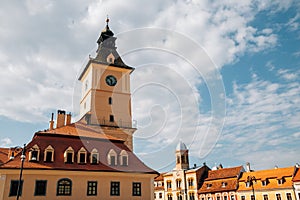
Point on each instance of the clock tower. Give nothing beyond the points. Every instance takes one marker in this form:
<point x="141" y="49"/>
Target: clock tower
<point x="106" y="97"/>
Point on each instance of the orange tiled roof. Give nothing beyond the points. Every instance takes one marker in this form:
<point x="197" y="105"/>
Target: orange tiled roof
<point x="4" y="155"/>
<point x="160" y="177"/>
<point x="221" y="180"/>
<point x="296" y="178"/>
<point x="79" y="129"/>
<point x="271" y="175"/>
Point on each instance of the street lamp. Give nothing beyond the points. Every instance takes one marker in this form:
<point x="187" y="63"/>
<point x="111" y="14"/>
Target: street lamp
<point x="250" y="180"/>
<point x="23" y="156"/>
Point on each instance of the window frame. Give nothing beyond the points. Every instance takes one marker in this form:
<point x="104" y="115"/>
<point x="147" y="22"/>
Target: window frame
<point x="13" y="190"/>
<point x="81" y="152"/>
<point x="94" y="152"/>
<point x="137" y="189"/>
<point x="64" y="188"/>
<point x="92" y="187"/>
<point x="115" y="188"/>
<point x="67" y="152"/>
<point x="37" y="191"/>
<point x="49" y="149"/>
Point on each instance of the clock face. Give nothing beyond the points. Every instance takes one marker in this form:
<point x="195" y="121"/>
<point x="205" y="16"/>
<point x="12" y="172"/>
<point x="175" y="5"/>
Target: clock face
<point x="111" y="80"/>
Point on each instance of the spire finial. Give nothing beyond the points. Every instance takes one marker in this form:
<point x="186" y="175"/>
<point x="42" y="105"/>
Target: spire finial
<point x="107" y="20"/>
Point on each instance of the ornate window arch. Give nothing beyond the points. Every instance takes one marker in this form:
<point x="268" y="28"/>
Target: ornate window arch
<point x="69" y="155"/>
<point x="34" y="153"/>
<point x="81" y="155"/>
<point x="64" y="187"/>
<point x="112" y="157"/>
<point x="124" y="158"/>
<point x="94" y="156"/>
<point x="49" y="154"/>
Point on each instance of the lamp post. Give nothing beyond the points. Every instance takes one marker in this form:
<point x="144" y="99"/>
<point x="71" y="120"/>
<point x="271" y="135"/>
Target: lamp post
<point x="251" y="179"/>
<point x="23" y="156"/>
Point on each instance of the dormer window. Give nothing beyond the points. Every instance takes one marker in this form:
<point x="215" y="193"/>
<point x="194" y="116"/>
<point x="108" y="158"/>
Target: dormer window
<point x="111" y="157"/>
<point x="94" y="156"/>
<point x="280" y="181"/>
<point x="248" y="184"/>
<point x="49" y="154"/>
<point x="34" y="153"/>
<point x="264" y="182"/>
<point x="124" y="158"/>
<point x="82" y="156"/>
<point x="69" y="155"/>
<point x="110" y="58"/>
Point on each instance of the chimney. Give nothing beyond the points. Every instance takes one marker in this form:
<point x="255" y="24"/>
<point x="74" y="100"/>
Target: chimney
<point x="60" y="118"/>
<point x="248" y="169"/>
<point x="68" y="119"/>
<point x="51" y="126"/>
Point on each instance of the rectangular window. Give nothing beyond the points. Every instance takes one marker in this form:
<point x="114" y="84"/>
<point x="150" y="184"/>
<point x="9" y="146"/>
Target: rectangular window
<point x="82" y="157"/>
<point x="112" y="160"/>
<point x="92" y="188"/>
<point x="232" y="197"/>
<point x="69" y="157"/>
<point x="109" y="100"/>
<point x="40" y="188"/>
<point x="160" y="195"/>
<point x="14" y="188"/>
<point x="114" y="188"/>
<point x="266" y="197"/>
<point x="48" y="156"/>
<point x="218" y="198"/>
<point x="94" y="158"/>
<point x="252" y="197"/>
<point x="243" y="198"/>
<point x="169" y="185"/>
<point x="124" y="161"/>
<point x="225" y="197"/>
<point x="136" y="189"/>
<point x="278" y="197"/>
<point x="111" y="118"/>
<point x="288" y="196"/>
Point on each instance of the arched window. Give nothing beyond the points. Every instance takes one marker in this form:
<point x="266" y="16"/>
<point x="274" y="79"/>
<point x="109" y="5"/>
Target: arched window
<point x="179" y="196"/>
<point x="191" y="182"/>
<point x="112" y="157"/>
<point x="49" y="154"/>
<point x="64" y="187"/>
<point x="124" y="158"/>
<point x="169" y="196"/>
<point x="178" y="183"/>
<point x="81" y="156"/>
<point x="34" y="153"/>
<point x="191" y="196"/>
<point x="69" y="155"/>
<point x="94" y="156"/>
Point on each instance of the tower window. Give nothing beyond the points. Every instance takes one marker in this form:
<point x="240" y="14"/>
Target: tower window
<point x="109" y="100"/>
<point x="111" y="118"/>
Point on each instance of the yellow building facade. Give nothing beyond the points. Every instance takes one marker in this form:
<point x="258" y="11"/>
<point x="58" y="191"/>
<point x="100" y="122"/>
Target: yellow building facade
<point x="88" y="159"/>
<point x="182" y="183"/>
<point x="271" y="184"/>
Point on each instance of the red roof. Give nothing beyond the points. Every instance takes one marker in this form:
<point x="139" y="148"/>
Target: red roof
<point x="78" y="135"/>
<point x="225" y="179"/>
<point x="4" y="155"/>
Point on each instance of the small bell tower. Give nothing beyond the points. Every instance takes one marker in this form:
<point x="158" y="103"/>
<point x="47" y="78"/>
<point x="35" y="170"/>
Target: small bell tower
<point x="182" y="156"/>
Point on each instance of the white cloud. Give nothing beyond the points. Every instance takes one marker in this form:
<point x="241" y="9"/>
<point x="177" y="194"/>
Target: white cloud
<point x="5" y="142"/>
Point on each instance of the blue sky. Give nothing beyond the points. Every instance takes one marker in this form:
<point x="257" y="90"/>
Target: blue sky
<point x="222" y="76"/>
